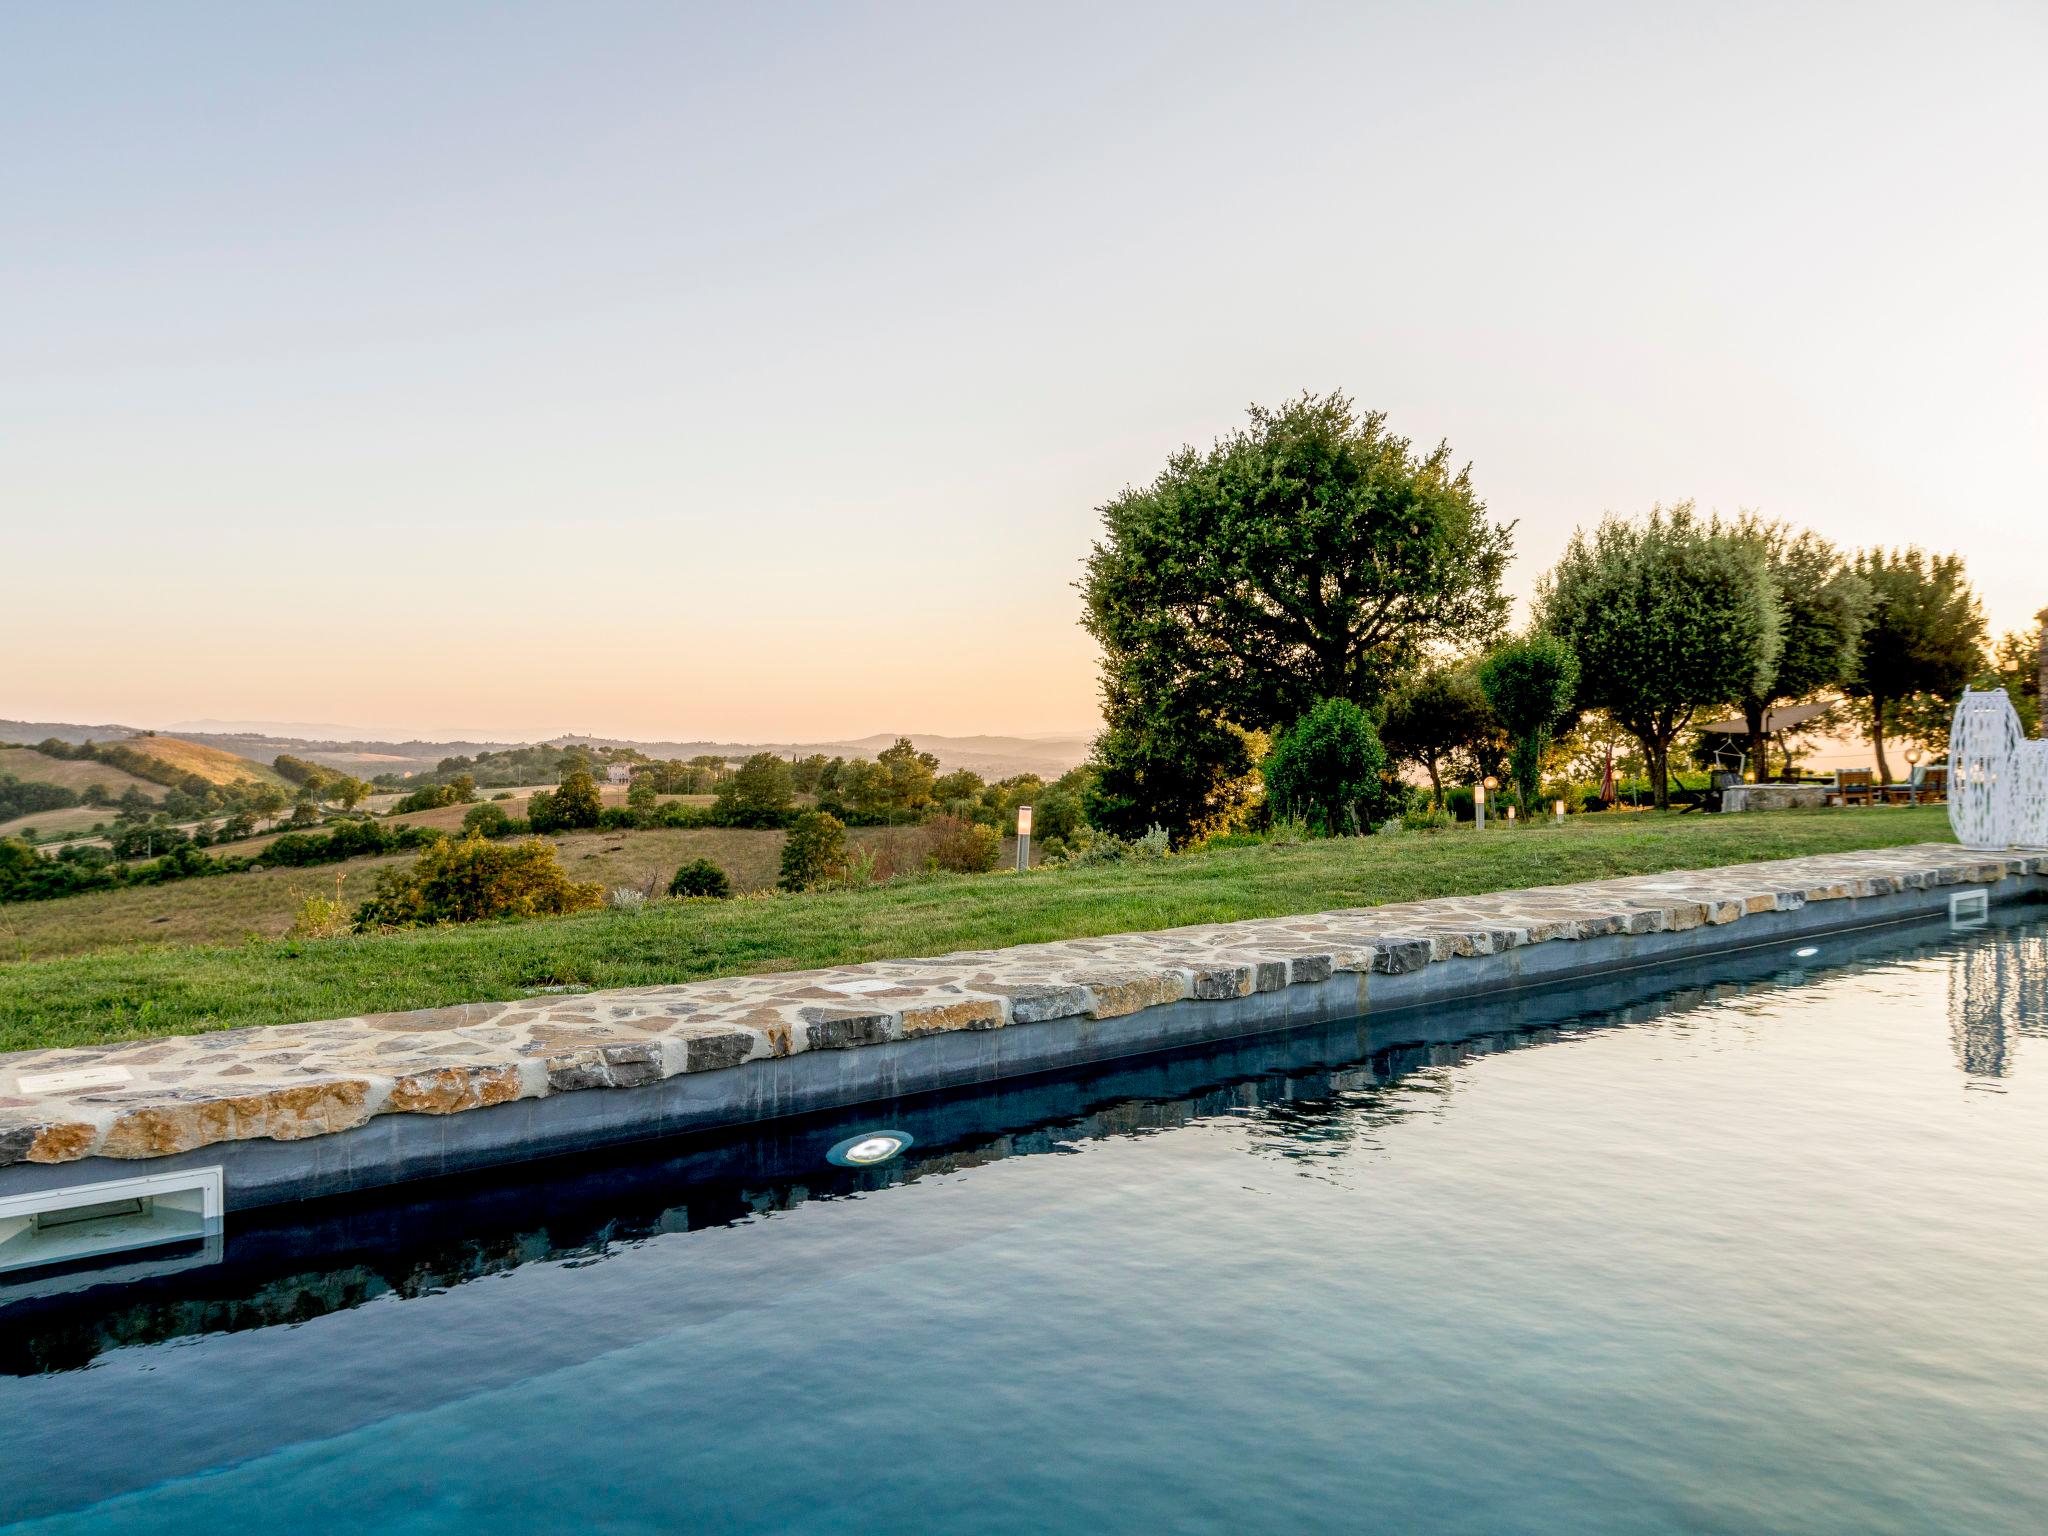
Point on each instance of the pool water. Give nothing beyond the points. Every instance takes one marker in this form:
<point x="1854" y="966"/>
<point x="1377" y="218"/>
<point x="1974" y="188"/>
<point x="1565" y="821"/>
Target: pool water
<point x="1756" y="1248"/>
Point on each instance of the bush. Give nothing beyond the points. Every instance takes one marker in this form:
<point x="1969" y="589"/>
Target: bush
<point x="472" y="880"/>
<point x="1328" y="768"/>
<point x="814" y="852"/>
<point x="486" y="820"/>
<point x="964" y="847"/>
<point x="321" y="917"/>
<point x="1428" y="818"/>
<point x="700" y="878"/>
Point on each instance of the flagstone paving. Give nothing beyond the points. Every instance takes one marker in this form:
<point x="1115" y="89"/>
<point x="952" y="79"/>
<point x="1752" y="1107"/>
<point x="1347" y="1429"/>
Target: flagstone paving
<point x="151" y="1098"/>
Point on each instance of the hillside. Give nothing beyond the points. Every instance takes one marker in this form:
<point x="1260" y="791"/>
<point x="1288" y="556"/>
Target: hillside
<point x="209" y="763"/>
<point x="31" y="767"/>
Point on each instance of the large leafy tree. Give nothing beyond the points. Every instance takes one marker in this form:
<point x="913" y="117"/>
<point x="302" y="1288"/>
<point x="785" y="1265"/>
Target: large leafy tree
<point x="1922" y="643"/>
<point x="1530" y="684"/>
<point x="1439" y="720"/>
<point x="1311" y="554"/>
<point x="1821" y="604"/>
<point x="1668" y="615"/>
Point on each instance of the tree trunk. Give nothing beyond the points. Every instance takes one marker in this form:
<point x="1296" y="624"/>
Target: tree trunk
<point x="1884" y="769"/>
<point x="1436" y="784"/>
<point x="1759" y="743"/>
<point x="1659" y="754"/>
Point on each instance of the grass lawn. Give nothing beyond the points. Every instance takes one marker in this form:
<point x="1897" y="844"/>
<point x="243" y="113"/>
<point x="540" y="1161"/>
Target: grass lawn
<point x="122" y="994"/>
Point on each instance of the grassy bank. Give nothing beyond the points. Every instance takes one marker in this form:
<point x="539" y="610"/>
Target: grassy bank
<point x="171" y="990"/>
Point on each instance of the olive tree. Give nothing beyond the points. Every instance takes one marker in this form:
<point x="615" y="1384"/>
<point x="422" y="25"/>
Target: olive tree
<point x="1668" y="615"/>
<point x="1922" y="642"/>
<point x="1821" y="605"/>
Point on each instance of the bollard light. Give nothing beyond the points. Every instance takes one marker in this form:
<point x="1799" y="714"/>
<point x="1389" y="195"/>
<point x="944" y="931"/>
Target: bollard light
<point x="1023" y="838"/>
<point x="1560" y="813"/>
<point x="1479" y="806"/>
<point x="1511" y="815"/>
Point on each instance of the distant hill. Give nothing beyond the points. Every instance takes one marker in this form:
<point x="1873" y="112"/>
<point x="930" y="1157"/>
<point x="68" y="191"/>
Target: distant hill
<point x="31" y="767"/>
<point x="209" y="763"/>
<point x="28" y="732"/>
<point x="993" y="757"/>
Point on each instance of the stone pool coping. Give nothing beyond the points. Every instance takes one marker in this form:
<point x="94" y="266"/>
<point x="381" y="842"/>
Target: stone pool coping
<point x="725" y="1051"/>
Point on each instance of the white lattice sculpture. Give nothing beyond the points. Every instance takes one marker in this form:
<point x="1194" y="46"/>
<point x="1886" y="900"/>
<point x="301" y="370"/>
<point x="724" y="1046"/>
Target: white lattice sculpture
<point x="1997" y="779"/>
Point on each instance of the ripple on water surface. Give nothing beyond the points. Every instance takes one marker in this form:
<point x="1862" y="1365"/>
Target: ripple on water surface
<point x="1762" y="1254"/>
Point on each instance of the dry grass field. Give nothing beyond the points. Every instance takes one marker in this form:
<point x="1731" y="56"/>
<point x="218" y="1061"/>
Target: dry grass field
<point x="48" y="824"/>
<point x="31" y="767"/>
<point x="210" y="763"/>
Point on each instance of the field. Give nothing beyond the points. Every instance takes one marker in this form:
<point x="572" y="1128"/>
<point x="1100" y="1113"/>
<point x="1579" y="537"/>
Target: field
<point x="124" y="993"/>
<point x="210" y="763"/>
<point x="48" y="824"/>
<point x="32" y="767"/>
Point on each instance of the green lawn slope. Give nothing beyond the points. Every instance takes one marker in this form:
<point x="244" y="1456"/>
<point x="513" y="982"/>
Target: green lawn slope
<point x="127" y="993"/>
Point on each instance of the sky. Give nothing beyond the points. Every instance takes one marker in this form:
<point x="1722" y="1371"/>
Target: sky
<point x="757" y="372"/>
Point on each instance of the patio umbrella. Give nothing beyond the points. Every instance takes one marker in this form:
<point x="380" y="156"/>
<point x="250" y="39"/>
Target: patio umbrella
<point x="1607" y="778"/>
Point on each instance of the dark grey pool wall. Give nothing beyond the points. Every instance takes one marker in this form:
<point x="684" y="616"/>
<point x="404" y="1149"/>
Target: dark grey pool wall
<point x="396" y="1148"/>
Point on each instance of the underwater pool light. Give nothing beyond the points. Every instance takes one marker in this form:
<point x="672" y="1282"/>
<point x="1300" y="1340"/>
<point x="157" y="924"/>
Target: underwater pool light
<point x="1805" y="952"/>
<point x="869" y="1148"/>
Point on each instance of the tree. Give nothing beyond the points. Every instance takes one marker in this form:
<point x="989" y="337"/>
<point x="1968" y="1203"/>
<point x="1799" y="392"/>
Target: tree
<point x="1923" y="639"/>
<point x="1821" y="606"/>
<point x="1530" y="685"/>
<point x="265" y="801"/>
<point x="757" y="795"/>
<point x="1327" y="769"/>
<point x="577" y="802"/>
<point x="911" y="775"/>
<point x="1667" y="616"/>
<point x="814" y="851"/>
<point x="1439" y="718"/>
<point x="1310" y="555"/>
<point x="2019" y="665"/>
<point x="345" y="790"/>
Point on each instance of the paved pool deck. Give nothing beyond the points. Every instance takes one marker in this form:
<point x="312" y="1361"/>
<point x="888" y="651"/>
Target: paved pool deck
<point x="300" y="1110"/>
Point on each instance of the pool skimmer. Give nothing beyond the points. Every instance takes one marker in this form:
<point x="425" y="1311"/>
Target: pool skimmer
<point x="89" y="1221"/>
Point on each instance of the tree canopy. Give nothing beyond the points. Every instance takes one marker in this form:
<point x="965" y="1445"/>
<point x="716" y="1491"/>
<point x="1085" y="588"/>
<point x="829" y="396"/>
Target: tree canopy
<point x="1439" y="720"/>
<point x="1312" y="554"/>
<point x="1530" y="685"/>
<point x="1923" y="640"/>
<point x="1668" y="615"/>
<point x="1821" y="604"/>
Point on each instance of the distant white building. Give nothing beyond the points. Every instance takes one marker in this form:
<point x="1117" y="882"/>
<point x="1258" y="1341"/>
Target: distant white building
<point x="619" y="773"/>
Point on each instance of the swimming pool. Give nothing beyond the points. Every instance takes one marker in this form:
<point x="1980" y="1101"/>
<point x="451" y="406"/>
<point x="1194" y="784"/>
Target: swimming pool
<point x="1751" y="1246"/>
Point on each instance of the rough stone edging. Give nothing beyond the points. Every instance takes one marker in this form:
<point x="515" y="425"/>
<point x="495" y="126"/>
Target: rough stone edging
<point x="291" y="1082"/>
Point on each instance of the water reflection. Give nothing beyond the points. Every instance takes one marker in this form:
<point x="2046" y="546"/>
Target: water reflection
<point x="1308" y="1099"/>
<point x="1997" y="992"/>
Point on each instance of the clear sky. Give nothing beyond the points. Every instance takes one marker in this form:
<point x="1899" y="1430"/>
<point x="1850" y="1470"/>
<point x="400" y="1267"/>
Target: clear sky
<point x="755" y="371"/>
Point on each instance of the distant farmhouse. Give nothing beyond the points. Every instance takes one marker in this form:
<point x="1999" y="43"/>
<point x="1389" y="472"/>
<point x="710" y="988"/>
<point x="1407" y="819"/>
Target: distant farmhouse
<point x="619" y="773"/>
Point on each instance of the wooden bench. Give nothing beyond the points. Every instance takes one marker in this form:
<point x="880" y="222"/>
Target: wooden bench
<point x="1857" y="786"/>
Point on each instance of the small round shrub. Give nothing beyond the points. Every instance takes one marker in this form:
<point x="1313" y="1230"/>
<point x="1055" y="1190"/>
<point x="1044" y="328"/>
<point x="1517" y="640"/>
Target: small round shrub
<point x="701" y="878"/>
<point x="486" y="820"/>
